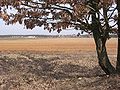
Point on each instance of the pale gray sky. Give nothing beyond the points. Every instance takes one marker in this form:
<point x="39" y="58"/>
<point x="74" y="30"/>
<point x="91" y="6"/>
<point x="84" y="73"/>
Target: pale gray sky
<point x="18" y="29"/>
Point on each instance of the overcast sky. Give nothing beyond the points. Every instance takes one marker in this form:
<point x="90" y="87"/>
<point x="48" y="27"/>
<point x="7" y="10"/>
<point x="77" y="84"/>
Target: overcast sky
<point x="20" y="30"/>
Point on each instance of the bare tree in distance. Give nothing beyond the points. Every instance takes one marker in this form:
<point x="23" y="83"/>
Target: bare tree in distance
<point x="98" y="17"/>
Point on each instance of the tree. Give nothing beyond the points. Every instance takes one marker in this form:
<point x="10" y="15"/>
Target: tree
<point x="87" y="15"/>
<point x="101" y="36"/>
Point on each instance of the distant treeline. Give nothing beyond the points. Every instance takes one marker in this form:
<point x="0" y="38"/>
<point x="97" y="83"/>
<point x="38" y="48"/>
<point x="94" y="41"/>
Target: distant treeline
<point x="50" y="36"/>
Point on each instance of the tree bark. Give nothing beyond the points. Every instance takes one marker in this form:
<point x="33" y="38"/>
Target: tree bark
<point x="102" y="53"/>
<point x="100" y="41"/>
<point x="118" y="50"/>
<point x="102" y="56"/>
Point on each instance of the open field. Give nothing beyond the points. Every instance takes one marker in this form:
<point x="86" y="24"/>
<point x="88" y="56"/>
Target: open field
<point x="54" y="64"/>
<point x="54" y="44"/>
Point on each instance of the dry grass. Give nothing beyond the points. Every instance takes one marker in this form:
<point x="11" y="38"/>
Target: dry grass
<point x="54" y="44"/>
<point x="54" y="64"/>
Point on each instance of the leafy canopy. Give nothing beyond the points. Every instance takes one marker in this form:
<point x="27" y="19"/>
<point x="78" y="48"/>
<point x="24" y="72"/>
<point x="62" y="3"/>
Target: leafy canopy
<point x="58" y="14"/>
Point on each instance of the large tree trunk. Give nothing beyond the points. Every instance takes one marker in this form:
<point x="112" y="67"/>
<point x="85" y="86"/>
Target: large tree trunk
<point x="102" y="52"/>
<point x="102" y="56"/>
<point x="100" y="41"/>
<point x="118" y="53"/>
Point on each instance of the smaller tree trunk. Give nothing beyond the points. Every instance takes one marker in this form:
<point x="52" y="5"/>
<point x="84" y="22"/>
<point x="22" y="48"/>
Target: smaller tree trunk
<point x="118" y="57"/>
<point x="118" y="52"/>
<point x="103" y="57"/>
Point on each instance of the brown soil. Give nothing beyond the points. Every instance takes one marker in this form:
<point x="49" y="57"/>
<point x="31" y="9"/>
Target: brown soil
<point x="54" y="64"/>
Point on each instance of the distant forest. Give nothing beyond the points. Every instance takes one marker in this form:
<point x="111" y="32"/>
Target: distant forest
<point x="52" y="36"/>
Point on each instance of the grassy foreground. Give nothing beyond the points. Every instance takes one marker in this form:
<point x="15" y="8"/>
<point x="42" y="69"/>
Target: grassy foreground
<point x="25" y="70"/>
<point x="54" y="69"/>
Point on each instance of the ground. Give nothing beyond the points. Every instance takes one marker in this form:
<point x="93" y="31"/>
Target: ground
<point x="54" y="64"/>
